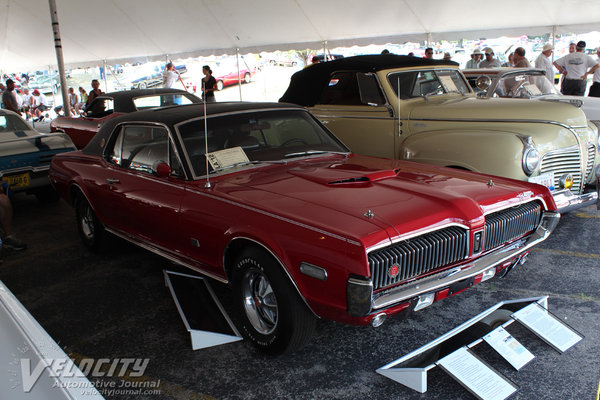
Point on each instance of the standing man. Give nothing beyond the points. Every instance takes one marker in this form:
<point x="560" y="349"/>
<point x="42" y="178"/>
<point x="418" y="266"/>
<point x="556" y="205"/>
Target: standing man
<point x="490" y="61"/>
<point x="575" y="66"/>
<point x="9" y="98"/>
<point x="595" y="88"/>
<point x="520" y="60"/>
<point x="543" y="61"/>
<point x="429" y="53"/>
<point x="475" y="59"/>
<point x="170" y="75"/>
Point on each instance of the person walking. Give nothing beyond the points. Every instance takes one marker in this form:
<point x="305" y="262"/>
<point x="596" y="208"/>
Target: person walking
<point x="575" y="67"/>
<point x="595" y="88"/>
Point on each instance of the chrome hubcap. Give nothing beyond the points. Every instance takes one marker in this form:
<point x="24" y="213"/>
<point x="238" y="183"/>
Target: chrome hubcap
<point x="260" y="303"/>
<point x="87" y="223"/>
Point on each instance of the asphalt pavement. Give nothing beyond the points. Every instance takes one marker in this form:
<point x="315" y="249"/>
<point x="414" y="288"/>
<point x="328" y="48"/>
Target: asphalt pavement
<point x="116" y="306"/>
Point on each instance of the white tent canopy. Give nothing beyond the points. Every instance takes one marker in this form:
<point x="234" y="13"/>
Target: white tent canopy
<point x="119" y="30"/>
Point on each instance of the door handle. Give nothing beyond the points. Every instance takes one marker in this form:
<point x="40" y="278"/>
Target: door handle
<point x="112" y="180"/>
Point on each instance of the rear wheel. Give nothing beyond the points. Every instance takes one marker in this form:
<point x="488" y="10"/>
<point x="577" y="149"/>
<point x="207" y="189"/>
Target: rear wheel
<point x="91" y="231"/>
<point x="142" y="85"/>
<point x="271" y="314"/>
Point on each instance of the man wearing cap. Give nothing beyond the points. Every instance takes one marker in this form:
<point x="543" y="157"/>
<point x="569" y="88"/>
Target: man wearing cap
<point x="490" y="61"/>
<point x="543" y="61"/>
<point x="595" y="88"/>
<point x="475" y="59"/>
<point x="575" y="65"/>
<point x="9" y="98"/>
<point x="39" y="105"/>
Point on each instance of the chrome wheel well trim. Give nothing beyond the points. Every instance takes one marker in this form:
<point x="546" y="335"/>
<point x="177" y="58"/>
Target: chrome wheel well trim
<point x="275" y="257"/>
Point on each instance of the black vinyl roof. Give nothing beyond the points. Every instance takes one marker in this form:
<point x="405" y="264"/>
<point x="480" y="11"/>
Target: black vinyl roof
<point x="123" y="100"/>
<point x="306" y="85"/>
<point x="173" y="115"/>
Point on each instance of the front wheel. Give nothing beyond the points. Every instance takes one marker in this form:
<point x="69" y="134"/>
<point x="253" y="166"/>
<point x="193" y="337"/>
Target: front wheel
<point x="271" y="314"/>
<point x="219" y="85"/>
<point x="247" y="77"/>
<point x="142" y="85"/>
<point x="91" y="230"/>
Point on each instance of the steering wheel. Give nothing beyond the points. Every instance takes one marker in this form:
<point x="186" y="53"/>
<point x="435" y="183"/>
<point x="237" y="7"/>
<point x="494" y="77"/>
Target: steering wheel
<point x="293" y="140"/>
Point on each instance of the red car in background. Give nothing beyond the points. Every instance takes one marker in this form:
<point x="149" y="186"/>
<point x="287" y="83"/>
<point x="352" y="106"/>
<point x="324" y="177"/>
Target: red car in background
<point x="263" y="197"/>
<point x="231" y="77"/>
<point x="110" y="105"/>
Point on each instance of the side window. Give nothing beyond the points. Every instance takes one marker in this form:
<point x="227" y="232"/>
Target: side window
<point x="342" y="89"/>
<point x="370" y="92"/>
<point x="140" y="147"/>
<point x="406" y="82"/>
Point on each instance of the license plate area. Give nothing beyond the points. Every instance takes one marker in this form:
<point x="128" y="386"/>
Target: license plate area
<point x="17" y="181"/>
<point x="546" y="179"/>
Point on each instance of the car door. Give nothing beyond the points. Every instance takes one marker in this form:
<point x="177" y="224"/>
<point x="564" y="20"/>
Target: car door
<point x="353" y="107"/>
<point x="140" y="202"/>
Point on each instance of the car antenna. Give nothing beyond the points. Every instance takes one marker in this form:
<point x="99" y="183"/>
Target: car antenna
<point x="399" y="116"/>
<point x="207" y="185"/>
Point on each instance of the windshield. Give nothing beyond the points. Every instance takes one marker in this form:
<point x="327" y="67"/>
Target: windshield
<point x="255" y="137"/>
<point x="524" y="85"/>
<point x="428" y="83"/>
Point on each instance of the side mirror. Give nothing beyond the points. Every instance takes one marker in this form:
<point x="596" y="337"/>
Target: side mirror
<point x="161" y="169"/>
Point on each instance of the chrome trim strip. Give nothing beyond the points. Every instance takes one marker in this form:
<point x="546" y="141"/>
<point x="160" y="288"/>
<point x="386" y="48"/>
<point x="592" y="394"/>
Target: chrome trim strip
<point x="413" y="234"/>
<point x="446" y="278"/>
<point x="333" y="235"/>
<point x="24" y="169"/>
<point x="162" y="252"/>
<point x="520" y="203"/>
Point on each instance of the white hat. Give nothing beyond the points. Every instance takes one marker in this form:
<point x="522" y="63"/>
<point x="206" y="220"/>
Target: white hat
<point x="476" y="51"/>
<point x="488" y="50"/>
<point x="547" y="47"/>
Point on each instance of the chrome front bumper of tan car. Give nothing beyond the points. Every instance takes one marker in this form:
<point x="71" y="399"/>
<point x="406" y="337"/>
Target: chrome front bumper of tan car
<point x="361" y="302"/>
<point x="567" y="201"/>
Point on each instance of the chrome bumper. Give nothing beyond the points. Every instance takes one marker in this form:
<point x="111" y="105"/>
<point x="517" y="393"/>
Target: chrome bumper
<point x="567" y="201"/>
<point x="444" y="279"/>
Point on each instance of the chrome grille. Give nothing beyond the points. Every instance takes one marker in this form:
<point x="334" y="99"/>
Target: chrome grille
<point x="504" y="226"/>
<point x="419" y="255"/>
<point x="589" y="167"/>
<point x="566" y="161"/>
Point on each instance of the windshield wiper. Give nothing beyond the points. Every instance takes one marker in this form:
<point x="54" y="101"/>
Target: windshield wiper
<point x="241" y="164"/>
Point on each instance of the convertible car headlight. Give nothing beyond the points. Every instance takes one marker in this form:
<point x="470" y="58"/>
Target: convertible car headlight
<point x="531" y="160"/>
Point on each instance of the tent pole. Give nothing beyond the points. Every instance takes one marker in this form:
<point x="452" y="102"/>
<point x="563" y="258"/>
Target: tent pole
<point x="553" y="41"/>
<point x="237" y="60"/>
<point x="59" y="57"/>
<point x="105" y="82"/>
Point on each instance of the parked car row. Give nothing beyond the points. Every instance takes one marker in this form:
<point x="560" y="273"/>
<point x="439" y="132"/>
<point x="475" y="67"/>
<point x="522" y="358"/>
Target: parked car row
<point x="287" y="204"/>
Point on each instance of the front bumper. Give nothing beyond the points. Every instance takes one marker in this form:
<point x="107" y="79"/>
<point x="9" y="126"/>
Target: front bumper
<point x="362" y="301"/>
<point x="566" y="201"/>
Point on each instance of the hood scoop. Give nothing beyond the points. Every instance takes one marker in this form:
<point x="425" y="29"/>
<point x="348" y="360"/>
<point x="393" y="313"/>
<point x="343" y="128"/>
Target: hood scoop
<point x="367" y="178"/>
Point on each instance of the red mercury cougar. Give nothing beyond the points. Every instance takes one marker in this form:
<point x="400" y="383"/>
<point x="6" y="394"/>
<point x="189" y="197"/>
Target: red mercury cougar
<point x="262" y="196"/>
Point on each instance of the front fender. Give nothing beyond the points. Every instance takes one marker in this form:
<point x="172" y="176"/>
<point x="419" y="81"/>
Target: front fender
<point x="489" y="152"/>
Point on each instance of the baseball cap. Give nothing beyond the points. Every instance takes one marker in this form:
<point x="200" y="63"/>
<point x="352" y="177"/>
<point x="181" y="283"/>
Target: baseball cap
<point x="488" y="50"/>
<point x="547" y="47"/>
<point x="580" y="45"/>
<point x="36" y="91"/>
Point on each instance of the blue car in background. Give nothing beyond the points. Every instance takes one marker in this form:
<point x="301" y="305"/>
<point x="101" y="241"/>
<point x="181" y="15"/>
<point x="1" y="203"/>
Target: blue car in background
<point x="25" y="156"/>
<point x="154" y="76"/>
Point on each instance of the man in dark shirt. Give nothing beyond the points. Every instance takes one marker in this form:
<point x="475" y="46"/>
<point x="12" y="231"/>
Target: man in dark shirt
<point x="9" y="97"/>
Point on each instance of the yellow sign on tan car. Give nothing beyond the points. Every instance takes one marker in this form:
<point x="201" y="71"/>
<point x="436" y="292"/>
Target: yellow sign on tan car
<point x="17" y="181"/>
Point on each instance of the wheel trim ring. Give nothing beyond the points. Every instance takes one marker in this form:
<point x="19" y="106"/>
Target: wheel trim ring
<point x="259" y="302"/>
<point x="87" y="223"/>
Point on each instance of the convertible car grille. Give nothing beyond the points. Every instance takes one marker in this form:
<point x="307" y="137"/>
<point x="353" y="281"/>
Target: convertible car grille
<point x="567" y="161"/>
<point x="504" y="226"/>
<point x="417" y="256"/>
<point x="589" y="167"/>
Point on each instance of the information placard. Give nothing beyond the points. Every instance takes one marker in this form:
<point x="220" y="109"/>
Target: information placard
<point x="226" y="158"/>
<point x="509" y="347"/>
<point x="477" y="376"/>
<point x="546" y="326"/>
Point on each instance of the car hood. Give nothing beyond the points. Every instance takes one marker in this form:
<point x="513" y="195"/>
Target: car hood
<point x="370" y="199"/>
<point x="30" y="141"/>
<point x="589" y="105"/>
<point x="495" y="109"/>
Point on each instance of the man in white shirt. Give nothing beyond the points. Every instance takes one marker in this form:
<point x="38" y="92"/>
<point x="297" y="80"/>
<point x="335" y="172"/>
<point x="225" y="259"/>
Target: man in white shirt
<point x="475" y="59"/>
<point x="543" y="61"/>
<point x="490" y="61"/>
<point x="27" y="102"/>
<point x="170" y="75"/>
<point x="595" y="88"/>
<point x="576" y="66"/>
<point x="40" y="104"/>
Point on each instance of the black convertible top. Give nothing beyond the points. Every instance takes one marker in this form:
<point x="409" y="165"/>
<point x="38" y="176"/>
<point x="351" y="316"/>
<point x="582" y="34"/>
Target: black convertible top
<point x="306" y="85"/>
<point x="123" y="100"/>
<point x="173" y="115"/>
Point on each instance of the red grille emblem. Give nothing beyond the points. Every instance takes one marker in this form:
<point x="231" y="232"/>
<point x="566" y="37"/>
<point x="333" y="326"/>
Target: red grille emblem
<point x="394" y="271"/>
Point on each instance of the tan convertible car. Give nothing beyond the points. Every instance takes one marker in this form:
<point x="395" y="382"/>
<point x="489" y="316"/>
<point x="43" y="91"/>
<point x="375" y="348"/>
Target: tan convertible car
<point x="442" y="122"/>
